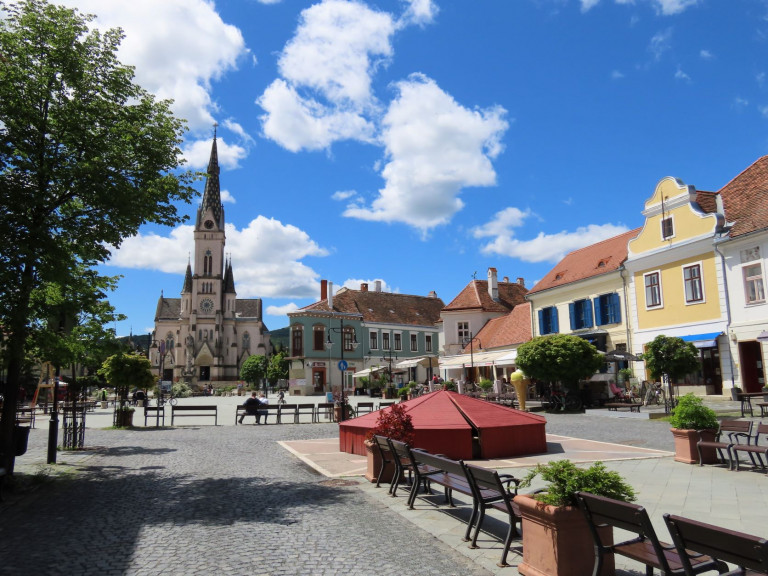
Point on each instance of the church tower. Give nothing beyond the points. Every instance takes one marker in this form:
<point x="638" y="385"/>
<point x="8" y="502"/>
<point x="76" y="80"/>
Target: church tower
<point x="208" y="333"/>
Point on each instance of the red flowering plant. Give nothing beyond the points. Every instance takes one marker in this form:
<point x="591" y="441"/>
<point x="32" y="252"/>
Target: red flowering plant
<point x="394" y="422"/>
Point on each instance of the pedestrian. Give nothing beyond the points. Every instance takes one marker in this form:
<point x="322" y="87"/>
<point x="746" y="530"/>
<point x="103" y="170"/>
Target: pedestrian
<point x="263" y="401"/>
<point x="251" y="407"/>
<point x="281" y="397"/>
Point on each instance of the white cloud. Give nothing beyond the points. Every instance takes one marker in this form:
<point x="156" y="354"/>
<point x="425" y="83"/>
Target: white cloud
<point x="177" y="46"/>
<point x="660" y="43"/>
<point x="198" y="153"/>
<point x="680" y="75"/>
<point x="434" y="147"/>
<point x="616" y="75"/>
<point x="266" y="257"/>
<point x="282" y="310"/>
<point x="763" y="111"/>
<point x="587" y="5"/>
<point x="669" y="7"/>
<point x="545" y="247"/>
<point x="740" y="103"/>
<point x="324" y="93"/>
<point x="419" y="12"/>
<point x="343" y="194"/>
<point x="227" y="198"/>
<point x="705" y="54"/>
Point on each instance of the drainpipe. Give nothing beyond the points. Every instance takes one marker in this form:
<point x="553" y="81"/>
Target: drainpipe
<point x="626" y="308"/>
<point x="727" y="311"/>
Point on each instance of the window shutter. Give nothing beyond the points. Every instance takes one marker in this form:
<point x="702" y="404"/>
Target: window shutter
<point x="615" y="308"/>
<point x="555" y="324"/>
<point x="588" y="313"/>
<point x="598" y="312"/>
<point x="572" y="314"/>
<point x="541" y="322"/>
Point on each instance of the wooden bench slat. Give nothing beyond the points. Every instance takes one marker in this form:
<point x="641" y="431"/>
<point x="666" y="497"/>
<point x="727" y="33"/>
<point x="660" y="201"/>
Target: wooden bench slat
<point x="208" y="410"/>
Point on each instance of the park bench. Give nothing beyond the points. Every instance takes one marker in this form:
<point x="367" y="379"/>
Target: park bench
<point x="158" y="413"/>
<point x="305" y="409"/>
<point x="193" y="410"/>
<point x="381" y="445"/>
<point x="385" y="404"/>
<point x="288" y="410"/>
<point x="734" y="429"/>
<point x="26" y="416"/>
<point x="746" y="551"/>
<point x="364" y="408"/>
<point x="763" y="409"/>
<point x="616" y="406"/>
<point x="753" y="450"/>
<point x="265" y="410"/>
<point x="645" y="548"/>
<point x="406" y="463"/>
<point x="324" y="409"/>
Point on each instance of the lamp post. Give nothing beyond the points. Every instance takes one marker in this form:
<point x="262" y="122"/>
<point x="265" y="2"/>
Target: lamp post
<point x="353" y="343"/>
<point x="158" y="345"/>
<point x="470" y="341"/>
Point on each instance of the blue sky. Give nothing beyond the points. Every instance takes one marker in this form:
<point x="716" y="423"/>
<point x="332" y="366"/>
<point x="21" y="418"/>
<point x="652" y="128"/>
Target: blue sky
<point x="419" y="142"/>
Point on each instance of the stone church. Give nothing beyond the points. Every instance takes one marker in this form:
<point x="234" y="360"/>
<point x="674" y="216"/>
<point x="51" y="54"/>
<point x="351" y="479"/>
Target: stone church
<point x="205" y="336"/>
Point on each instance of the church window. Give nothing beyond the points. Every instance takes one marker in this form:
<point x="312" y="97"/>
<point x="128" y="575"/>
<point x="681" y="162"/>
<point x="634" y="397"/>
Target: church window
<point x="169" y="341"/>
<point x="208" y="264"/>
<point x="246" y="341"/>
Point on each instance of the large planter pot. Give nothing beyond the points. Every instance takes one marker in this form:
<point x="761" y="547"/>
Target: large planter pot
<point x="337" y="412"/>
<point x="685" y="446"/>
<point x="374" y="465"/>
<point x="557" y="541"/>
<point x="125" y="418"/>
<point x="21" y="439"/>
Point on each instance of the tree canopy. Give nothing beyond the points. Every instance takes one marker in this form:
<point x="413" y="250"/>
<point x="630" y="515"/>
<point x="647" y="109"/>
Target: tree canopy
<point x="670" y="355"/>
<point x="278" y="368"/>
<point x="254" y="369"/>
<point x="87" y="156"/>
<point x="559" y="358"/>
<point x="124" y="371"/>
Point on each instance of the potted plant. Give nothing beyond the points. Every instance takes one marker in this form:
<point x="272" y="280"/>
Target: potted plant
<point x="624" y="375"/>
<point x="104" y="402"/>
<point x="124" y="416"/>
<point x="485" y="385"/>
<point x="393" y="422"/>
<point x="688" y="418"/>
<point x="404" y="392"/>
<point x="556" y="538"/>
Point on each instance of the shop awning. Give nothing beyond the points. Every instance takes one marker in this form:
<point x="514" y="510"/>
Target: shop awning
<point x="708" y="340"/>
<point x="367" y="372"/>
<point x="413" y="362"/>
<point x="454" y="361"/>
<point x="509" y="358"/>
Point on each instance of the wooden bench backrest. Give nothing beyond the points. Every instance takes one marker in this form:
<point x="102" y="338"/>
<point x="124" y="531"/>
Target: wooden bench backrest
<point x="402" y="450"/>
<point x="761" y="429"/>
<point x="740" y="426"/>
<point x="382" y="444"/>
<point x="487" y="485"/>
<point x="440" y="462"/>
<point x="182" y="408"/>
<point x="324" y="406"/>
<point x="288" y="407"/>
<point x="625" y="515"/>
<point x="737" y="548"/>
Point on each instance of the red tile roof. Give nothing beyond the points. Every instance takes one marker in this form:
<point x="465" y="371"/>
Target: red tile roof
<point x="587" y="262"/>
<point x="382" y="307"/>
<point x="475" y="296"/>
<point x="513" y="328"/>
<point x="745" y="199"/>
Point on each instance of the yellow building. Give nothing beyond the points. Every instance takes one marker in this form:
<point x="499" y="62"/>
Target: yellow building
<point x="677" y="281"/>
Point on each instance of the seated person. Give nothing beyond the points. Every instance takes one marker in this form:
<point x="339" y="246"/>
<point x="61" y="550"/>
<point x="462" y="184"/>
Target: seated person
<point x="251" y="408"/>
<point x="616" y="391"/>
<point x="263" y="401"/>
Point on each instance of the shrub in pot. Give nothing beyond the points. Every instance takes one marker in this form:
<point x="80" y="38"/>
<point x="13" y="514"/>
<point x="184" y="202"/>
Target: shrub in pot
<point x="691" y="420"/>
<point x="393" y="422"/>
<point x="556" y="538"/>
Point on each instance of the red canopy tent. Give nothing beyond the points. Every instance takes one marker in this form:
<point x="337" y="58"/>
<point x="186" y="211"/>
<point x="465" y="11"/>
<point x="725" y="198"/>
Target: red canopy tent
<point x="448" y="423"/>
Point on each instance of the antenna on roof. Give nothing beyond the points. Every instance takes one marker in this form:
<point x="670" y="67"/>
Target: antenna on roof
<point x="474" y="275"/>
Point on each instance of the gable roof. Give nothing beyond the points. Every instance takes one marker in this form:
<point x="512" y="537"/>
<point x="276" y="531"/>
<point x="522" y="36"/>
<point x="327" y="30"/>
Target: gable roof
<point x="513" y="328"/>
<point x="745" y="199"/>
<point x="588" y="262"/>
<point x="381" y="307"/>
<point x="475" y="296"/>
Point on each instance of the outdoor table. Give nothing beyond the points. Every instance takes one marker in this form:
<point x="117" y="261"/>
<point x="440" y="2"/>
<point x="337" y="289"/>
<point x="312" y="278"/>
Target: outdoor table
<point x="746" y="401"/>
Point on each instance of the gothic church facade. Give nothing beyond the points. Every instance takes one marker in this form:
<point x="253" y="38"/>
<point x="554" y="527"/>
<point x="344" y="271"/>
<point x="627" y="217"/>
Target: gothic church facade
<point x="205" y="336"/>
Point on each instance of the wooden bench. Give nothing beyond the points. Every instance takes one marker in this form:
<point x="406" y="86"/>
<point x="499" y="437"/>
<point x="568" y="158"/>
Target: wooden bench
<point x="491" y="492"/>
<point x="385" y="403"/>
<point x="616" y="406"/>
<point x="381" y="445"/>
<point x="159" y="414"/>
<point x="305" y="409"/>
<point x="755" y="449"/>
<point x="192" y="410"/>
<point x="364" y="408"/>
<point x="645" y="548"/>
<point x="406" y="463"/>
<point x="746" y="551"/>
<point x="763" y="409"/>
<point x="288" y="410"/>
<point x="324" y="409"/>
<point x="266" y="409"/>
<point x="26" y="416"/>
<point x="734" y="429"/>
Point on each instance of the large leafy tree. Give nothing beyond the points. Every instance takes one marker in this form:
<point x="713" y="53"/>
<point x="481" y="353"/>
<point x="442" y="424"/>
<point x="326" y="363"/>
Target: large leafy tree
<point x="559" y="358"/>
<point x="254" y="369"/>
<point x="277" y="368"/>
<point x="124" y="371"/>
<point x="86" y="157"/>
<point x="672" y="356"/>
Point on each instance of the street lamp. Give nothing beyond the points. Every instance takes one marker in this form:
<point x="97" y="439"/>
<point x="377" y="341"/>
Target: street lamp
<point x="348" y="338"/>
<point x="159" y="345"/>
<point x="470" y="341"/>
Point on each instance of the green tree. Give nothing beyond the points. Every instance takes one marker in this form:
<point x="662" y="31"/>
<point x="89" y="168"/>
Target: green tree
<point x="86" y="157"/>
<point x="559" y="358"/>
<point x="123" y="371"/>
<point x="254" y="369"/>
<point x="670" y="355"/>
<point x="278" y="368"/>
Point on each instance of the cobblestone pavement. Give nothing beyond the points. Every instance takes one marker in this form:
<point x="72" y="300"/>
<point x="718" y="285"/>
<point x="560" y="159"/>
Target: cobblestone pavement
<point x="210" y="500"/>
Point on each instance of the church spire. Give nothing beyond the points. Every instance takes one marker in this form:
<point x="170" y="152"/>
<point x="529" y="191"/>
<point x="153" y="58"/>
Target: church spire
<point x="187" y="280"/>
<point x="229" y="279"/>
<point x="212" y="193"/>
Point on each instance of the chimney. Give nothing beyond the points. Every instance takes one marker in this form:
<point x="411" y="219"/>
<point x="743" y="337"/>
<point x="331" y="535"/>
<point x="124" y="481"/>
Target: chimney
<point x="323" y="289"/>
<point x="432" y="294"/>
<point x="521" y="281"/>
<point x="493" y="284"/>
<point x="506" y="280"/>
<point x="330" y="295"/>
<point x="377" y="285"/>
<point x="364" y="287"/>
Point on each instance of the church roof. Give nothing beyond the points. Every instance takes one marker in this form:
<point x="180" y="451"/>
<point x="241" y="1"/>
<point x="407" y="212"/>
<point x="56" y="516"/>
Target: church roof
<point x="229" y="279"/>
<point x="170" y="308"/>
<point x="212" y="193"/>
